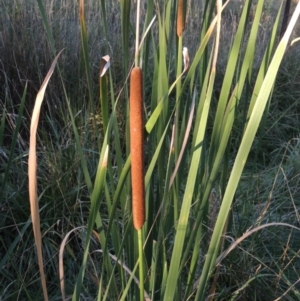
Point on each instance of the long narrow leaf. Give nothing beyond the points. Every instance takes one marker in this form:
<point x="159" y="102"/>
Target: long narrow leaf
<point x="32" y="176"/>
<point x="243" y="152"/>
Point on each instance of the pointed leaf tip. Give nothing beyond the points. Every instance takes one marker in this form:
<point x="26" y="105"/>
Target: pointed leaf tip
<point x="104" y="64"/>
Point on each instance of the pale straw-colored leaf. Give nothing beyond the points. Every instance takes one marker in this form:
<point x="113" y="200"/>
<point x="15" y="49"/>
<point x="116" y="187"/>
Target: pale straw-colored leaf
<point x="61" y="262"/>
<point x="146" y="31"/>
<point x="32" y="177"/>
<point x="105" y="64"/>
<point x="186" y="59"/>
<point x="185" y="140"/>
<point x="295" y="40"/>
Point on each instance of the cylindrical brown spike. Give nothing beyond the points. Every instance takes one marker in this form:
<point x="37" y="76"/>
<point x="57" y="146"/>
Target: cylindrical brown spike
<point x="180" y="18"/>
<point x="137" y="147"/>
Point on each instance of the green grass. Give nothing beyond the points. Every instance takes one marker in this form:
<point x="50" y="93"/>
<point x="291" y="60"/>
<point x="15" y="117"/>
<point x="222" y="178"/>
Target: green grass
<point x="221" y="153"/>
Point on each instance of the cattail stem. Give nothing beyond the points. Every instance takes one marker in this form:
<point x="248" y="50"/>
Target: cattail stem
<point x="137" y="32"/>
<point x="137" y="163"/>
<point x="136" y="148"/>
<point x="141" y="264"/>
<point x="180" y="18"/>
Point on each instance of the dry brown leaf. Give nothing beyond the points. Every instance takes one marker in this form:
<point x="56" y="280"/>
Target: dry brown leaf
<point x="32" y="167"/>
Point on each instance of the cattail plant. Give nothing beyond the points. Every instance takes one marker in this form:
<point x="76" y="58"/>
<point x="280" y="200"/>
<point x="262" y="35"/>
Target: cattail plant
<point x="137" y="151"/>
<point x="137" y="162"/>
<point x="136" y="147"/>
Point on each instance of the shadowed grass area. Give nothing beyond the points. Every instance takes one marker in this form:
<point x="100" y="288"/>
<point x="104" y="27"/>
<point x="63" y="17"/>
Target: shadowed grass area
<point x="221" y="110"/>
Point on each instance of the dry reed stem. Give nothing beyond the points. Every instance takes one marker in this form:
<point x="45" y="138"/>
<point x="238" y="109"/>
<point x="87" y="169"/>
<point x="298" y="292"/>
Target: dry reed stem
<point x="180" y="18"/>
<point x="136" y="147"/>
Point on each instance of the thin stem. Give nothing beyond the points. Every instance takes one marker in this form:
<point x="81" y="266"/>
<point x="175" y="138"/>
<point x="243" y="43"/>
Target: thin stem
<point x="141" y="263"/>
<point x="137" y="34"/>
<point x="219" y="11"/>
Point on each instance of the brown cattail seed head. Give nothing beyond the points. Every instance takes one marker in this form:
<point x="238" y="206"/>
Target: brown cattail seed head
<point x="137" y="147"/>
<point x="180" y="18"/>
